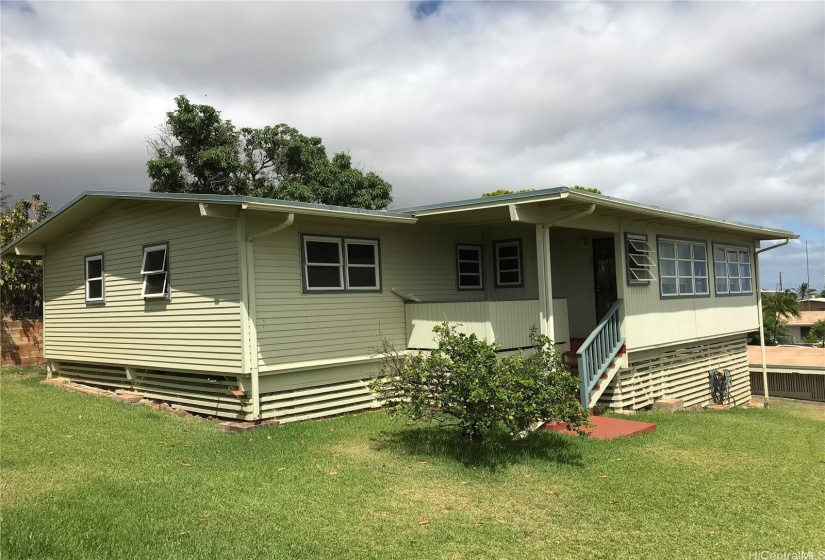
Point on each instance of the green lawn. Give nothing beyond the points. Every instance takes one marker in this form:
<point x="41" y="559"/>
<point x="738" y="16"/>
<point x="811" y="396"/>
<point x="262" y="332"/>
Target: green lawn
<point x="85" y="477"/>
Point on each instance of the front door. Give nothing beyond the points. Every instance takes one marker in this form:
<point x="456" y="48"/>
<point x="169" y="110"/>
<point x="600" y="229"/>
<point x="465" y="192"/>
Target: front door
<point x="604" y="275"/>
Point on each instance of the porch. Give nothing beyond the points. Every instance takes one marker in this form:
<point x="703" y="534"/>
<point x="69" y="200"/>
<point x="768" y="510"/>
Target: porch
<point x="596" y="359"/>
<point x="564" y="283"/>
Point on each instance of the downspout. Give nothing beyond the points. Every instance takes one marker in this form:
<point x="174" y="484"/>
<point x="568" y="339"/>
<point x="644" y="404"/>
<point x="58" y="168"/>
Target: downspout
<point x="253" y="327"/>
<point x="761" y="320"/>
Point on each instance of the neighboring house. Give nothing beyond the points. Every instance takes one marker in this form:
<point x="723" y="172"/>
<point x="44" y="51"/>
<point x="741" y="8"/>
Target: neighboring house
<point x="813" y="304"/>
<point x="256" y="308"/>
<point x="792" y="372"/>
<point x="799" y="328"/>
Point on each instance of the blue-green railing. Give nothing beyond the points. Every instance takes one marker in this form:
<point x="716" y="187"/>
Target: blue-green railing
<point x="598" y="351"/>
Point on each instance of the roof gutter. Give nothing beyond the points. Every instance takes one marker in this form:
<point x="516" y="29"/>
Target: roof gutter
<point x="396" y="218"/>
<point x="663" y="213"/>
<point x="761" y="321"/>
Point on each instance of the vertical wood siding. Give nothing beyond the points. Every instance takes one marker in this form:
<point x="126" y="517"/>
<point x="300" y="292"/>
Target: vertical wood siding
<point x="571" y="258"/>
<point x="197" y="330"/>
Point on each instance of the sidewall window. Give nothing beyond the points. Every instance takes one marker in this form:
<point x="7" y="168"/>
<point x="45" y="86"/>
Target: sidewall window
<point x="683" y="268"/>
<point x="340" y="264"/>
<point x="469" y="268"/>
<point x="95" y="278"/>
<point x="507" y="256"/>
<point x="732" y="270"/>
<point x="155" y="271"/>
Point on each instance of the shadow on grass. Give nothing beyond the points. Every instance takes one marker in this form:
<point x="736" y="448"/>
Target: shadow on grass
<point x="494" y="452"/>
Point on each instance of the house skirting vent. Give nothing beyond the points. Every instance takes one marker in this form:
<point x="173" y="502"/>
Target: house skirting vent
<point x="680" y="372"/>
<point x="210" y="395"/>
<point x="318" y="401"/>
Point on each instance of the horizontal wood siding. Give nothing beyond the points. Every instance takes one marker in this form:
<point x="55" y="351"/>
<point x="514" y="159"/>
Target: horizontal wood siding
<point x="651" y="321"/>
<point x="680" y="372"/>
<point x="295" y="327"/>
<point x="197" y="330"/>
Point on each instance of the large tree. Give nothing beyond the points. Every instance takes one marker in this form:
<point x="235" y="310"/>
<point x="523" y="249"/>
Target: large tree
<point x="196" y="151"/>
<point x="21" y="281"/>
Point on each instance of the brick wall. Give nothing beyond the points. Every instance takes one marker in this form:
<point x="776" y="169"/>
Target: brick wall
<point x="21" y="342"/>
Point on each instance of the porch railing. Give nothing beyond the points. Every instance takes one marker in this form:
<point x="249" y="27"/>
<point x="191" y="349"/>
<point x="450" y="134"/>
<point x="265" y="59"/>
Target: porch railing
<point x="597" y="352"/>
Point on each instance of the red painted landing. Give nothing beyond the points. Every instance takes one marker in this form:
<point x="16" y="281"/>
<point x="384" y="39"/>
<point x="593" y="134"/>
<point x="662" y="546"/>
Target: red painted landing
<point x="605" y="427"/>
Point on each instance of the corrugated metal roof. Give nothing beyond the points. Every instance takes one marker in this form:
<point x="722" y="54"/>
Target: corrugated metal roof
<point x="410" y="214"/>
<point x="248" y="201"/>
<point x="601" y="201"/>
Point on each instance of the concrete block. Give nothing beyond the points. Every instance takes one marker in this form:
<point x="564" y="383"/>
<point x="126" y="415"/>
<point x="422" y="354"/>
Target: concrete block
<point x="670" y="405"/>
<point x="624" y="411"/>
<point x="128" y="398"/>
<point x="243" y="427"/>
<point x="718" y="407"/>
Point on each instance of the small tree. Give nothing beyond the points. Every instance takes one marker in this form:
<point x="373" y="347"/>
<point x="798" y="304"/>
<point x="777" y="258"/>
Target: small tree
<point x="816" y="335"/>
<point x="463" y="383"/>
<point x="21" y="281"/>
<point x="804" y="291"/>
<point x="500" y="192"/>
<point x="593" y="190"/>
<point x="779" y="308"/>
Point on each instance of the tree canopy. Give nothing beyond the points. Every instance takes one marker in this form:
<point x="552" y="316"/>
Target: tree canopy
<point x="777" y="308"/>
<point x="816" y="335"/>
<point x="804" y="291"/>
<point x="506" y="191"/>
<point x="21" y="281"/>
<point x="196" y="151"/>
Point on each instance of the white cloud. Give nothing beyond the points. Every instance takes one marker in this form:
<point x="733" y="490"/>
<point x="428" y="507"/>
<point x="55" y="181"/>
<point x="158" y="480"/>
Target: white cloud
<point x="714" y="108"/>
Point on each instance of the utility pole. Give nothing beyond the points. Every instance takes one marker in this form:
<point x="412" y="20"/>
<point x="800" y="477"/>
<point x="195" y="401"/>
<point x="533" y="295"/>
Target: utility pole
<point x="807" y="267"/>
<point x="780" y="283"/>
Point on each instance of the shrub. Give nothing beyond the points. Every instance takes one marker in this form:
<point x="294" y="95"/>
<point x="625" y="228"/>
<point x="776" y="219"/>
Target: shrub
<point x="464" y="383"/>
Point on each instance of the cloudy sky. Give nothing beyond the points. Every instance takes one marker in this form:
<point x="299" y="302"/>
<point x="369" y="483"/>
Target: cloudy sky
<point x="714" y="108"/>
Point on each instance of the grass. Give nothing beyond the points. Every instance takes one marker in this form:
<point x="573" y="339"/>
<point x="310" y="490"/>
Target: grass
<point x="85" y="477"/>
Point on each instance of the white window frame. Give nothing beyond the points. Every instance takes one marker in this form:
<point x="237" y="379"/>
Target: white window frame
<point x="739" y="251"/>
<point x="347" y="265"/>
<point x="101" y="278"/>
<point x="339" y="265"/>
<point x="164" y="269"/>
<point x="342" y="265"/>
<point x="693" y="276"/>
<point x="640" y="264"/>
<point x="508" y="243"/>
<point x="479" y="250"/>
